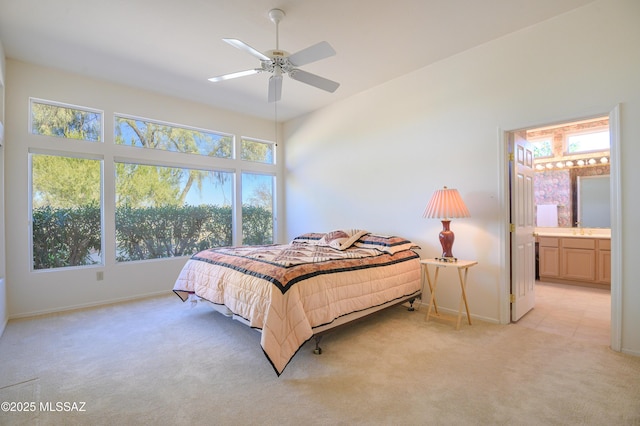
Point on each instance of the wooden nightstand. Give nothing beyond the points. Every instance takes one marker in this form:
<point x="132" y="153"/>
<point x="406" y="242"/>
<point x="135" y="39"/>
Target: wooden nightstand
<point x="461" y="265"/>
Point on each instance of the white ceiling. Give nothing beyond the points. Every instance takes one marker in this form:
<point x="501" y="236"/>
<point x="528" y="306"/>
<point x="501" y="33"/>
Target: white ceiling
<point x="173" y="46"/>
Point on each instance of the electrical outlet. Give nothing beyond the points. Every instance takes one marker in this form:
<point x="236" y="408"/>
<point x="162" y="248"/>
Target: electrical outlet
<point x="100" y="275"/>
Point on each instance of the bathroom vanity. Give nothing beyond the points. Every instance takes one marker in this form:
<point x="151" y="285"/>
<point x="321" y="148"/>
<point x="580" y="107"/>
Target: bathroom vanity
<point x="578" y="256"/>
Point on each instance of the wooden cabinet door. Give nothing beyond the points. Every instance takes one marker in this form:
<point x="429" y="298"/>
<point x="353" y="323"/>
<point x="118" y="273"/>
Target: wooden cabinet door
<point x="578" y="264"/>
<point x="549" y="261"/>
<point x="604" y="266"/>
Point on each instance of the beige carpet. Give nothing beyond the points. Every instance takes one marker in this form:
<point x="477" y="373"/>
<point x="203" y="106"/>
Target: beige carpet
<point x="158" y="361"/>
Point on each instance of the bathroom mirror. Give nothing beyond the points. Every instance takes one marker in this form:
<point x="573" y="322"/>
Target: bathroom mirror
<point x="593" y="201"/>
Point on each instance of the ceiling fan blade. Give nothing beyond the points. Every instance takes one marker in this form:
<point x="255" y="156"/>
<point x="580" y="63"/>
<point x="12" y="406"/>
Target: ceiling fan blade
<point x="275" y="88"/>
<point x="239" y="44"/>
<point x="314" y="80"/>
<point x="311" y="54"/>
<point x="235" y="75"/>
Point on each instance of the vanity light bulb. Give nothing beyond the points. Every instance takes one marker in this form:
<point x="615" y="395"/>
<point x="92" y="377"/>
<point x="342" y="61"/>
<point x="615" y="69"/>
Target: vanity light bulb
<point x="549" y="166"/>
<point x="559" y="164"/>
<point x="580" y="162"/>
<point x="539" y="167"/>
<point x="569" y="163"/>
<point x="592" y="161"/>
<point x="604" y="160"/>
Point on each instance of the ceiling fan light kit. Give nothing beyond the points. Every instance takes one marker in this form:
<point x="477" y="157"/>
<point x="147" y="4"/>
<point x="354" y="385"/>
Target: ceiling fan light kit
<point x="278" y="62"/>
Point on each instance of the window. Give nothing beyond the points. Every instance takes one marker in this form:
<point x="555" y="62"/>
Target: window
<point x="257" y="208"/>
<point x="66" y="189"/>
<point x="255" y="150"/>
<point x="585" y="142"/>
<point x="173" y="197"/>
<point x="52" y="119"/>
<point x="170" y="211"/>
<point x="66" y="224"/>
<point x="542" y="148"/>
<point x="153" y="135"/>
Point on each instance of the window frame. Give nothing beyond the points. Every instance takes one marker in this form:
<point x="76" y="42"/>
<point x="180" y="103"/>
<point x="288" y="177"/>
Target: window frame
<point x="274" y="199"/>
<point x="274" y="146"/>
<point x="79" y="155"/>
<point x="33" y="100"/>
<point x="174" y="165"/>
<point x="109" y="153"/>
<point x="540" y="140"/>
<point x="177" y="126"/>
<point x="593" y="130"/>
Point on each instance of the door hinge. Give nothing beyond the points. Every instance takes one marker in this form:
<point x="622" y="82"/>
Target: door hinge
<point x="512" y="227"/>
<point x="512" y="298"/>
<point x="511" y="157"/>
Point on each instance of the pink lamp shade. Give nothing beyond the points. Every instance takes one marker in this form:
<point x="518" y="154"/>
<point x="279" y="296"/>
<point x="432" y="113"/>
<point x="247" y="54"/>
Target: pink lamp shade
<point x="446" y="204"/>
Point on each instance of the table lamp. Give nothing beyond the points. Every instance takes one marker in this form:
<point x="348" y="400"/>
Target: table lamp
<point x="446" y="204"/>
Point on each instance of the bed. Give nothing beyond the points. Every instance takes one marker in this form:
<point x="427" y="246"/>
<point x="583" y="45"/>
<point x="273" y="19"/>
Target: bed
<point x="293" y="292"/>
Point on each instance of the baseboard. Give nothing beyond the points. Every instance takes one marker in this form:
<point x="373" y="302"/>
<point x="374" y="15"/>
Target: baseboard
<point x="89" y="305"/>
<point x="3" y="309"/>
<point x="630" y="352"/>
<point x="553" y="280"/>
<point x="424" y="306"/>
<point x="3" y="326"/>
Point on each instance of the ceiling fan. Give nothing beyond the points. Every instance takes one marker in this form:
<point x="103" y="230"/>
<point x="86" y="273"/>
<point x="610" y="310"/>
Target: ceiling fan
<point x="279" y="62"/>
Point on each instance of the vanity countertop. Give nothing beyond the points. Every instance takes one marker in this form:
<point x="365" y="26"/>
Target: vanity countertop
<point x="574" y="232"/>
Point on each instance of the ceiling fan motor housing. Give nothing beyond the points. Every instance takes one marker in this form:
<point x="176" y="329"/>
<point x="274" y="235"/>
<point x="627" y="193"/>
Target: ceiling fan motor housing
<point x="279" y="59"/>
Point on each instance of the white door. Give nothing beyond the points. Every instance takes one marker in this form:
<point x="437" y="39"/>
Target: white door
<point x="523" y="293"/>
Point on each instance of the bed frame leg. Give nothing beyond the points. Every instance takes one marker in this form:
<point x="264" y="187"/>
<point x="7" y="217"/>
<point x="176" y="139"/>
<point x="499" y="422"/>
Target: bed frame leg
<point x="318" y="349"/>
<point x="411" y="308"/>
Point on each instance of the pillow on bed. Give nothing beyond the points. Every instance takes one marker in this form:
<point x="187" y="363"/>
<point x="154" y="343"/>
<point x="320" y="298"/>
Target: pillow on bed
<point x="341" y="239"/>
<point x="308" y="238"/>
<point x="384" y="243"/>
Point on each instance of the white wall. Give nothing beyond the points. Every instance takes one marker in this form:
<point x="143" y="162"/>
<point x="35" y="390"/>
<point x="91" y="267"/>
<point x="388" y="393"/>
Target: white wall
<point x="373" y="161"/>
<point x="40" y="292"/>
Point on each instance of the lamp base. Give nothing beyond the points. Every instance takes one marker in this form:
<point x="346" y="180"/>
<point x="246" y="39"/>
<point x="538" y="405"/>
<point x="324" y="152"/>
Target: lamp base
<point x="446" y="239"/>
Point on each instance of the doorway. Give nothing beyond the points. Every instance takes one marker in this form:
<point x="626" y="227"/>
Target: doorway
<point x="577" y="312"/>
<point x="613" y="162"/>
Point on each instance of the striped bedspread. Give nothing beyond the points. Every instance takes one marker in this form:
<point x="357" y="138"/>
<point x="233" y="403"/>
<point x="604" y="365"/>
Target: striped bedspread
<point x="287" y="290"/>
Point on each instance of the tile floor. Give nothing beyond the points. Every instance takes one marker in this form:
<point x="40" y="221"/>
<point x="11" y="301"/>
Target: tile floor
<point x="573" y="311"/>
